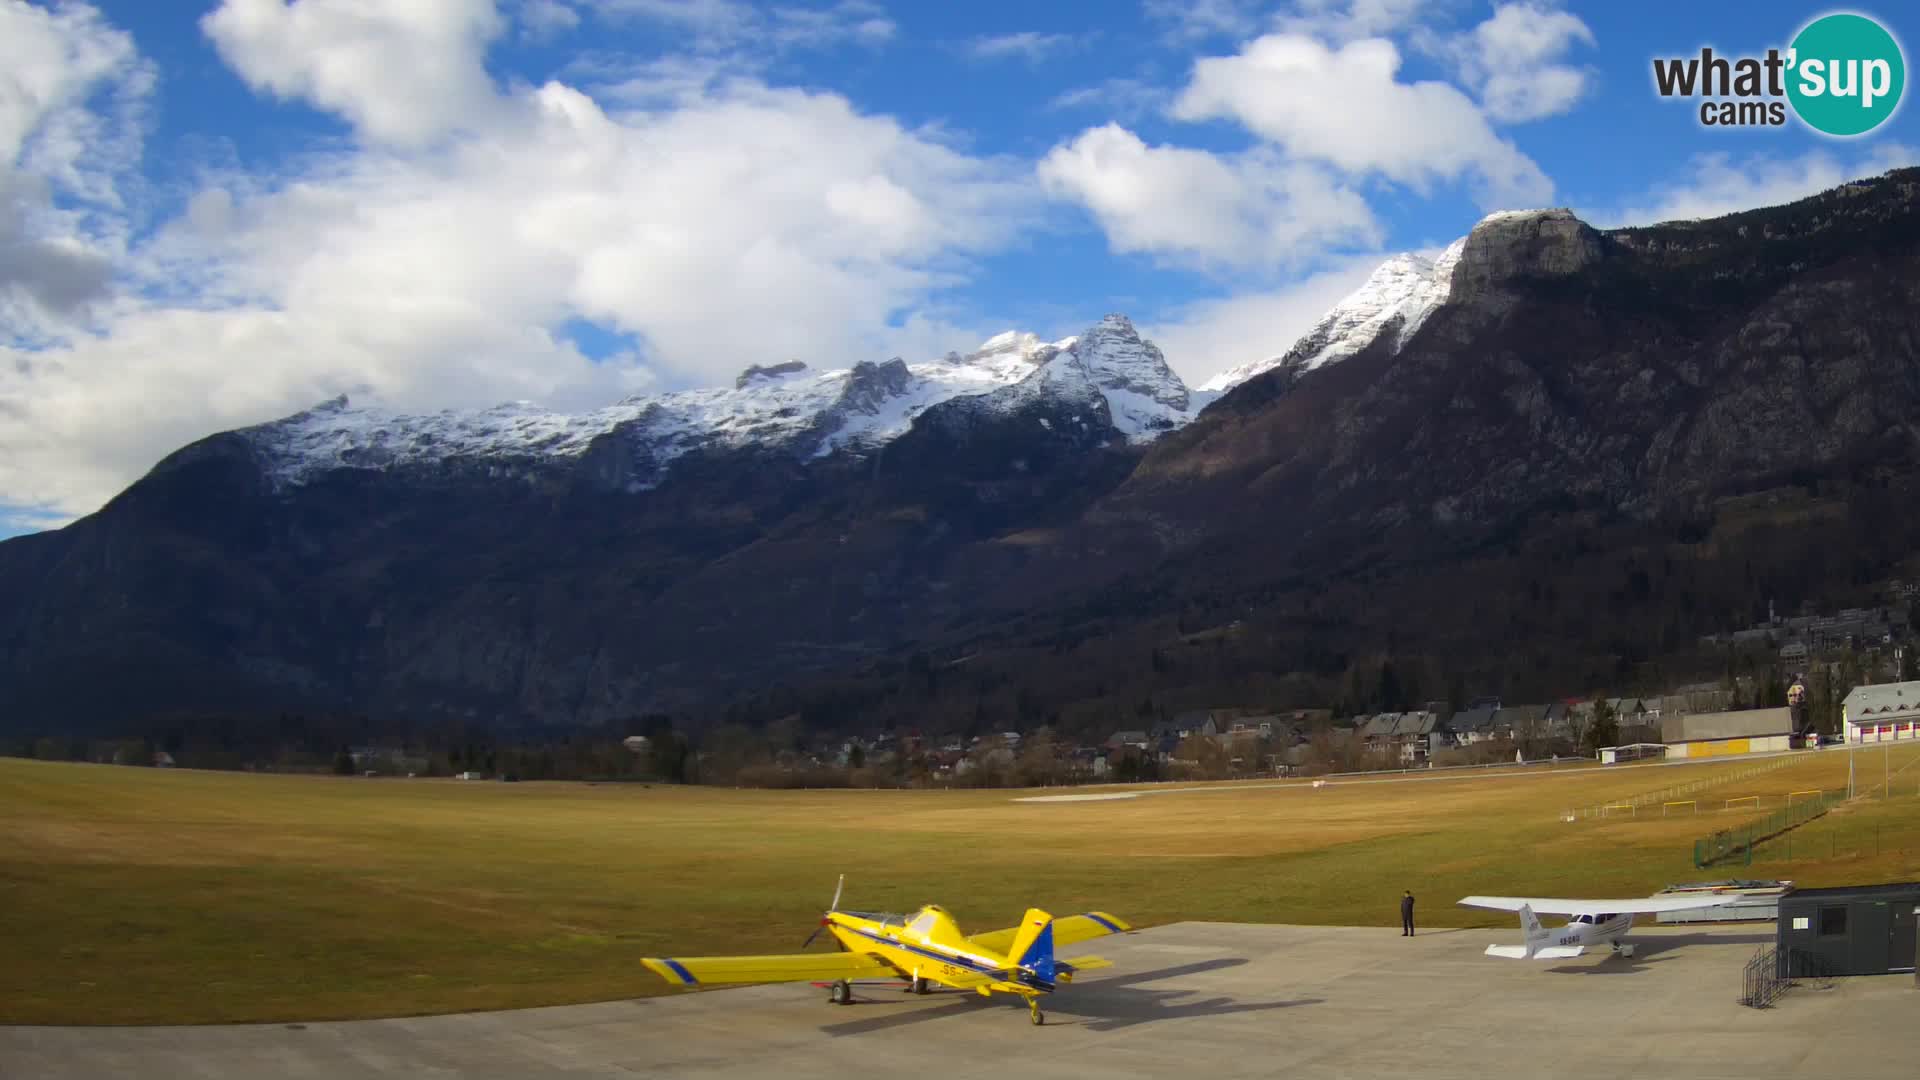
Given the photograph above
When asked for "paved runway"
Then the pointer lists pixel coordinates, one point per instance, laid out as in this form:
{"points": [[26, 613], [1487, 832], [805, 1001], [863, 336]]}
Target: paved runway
{"points": [[1194, 999]]}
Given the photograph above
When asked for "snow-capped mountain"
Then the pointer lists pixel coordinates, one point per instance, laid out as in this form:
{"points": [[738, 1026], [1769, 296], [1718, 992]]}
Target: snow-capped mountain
{"points": [[1003, 528], [1144, 395], [810, 413], [1396, 299], [813, 414]]}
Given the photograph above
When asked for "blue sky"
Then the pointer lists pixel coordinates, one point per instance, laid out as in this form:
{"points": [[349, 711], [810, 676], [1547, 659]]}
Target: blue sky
{"points": [[216, 214]]}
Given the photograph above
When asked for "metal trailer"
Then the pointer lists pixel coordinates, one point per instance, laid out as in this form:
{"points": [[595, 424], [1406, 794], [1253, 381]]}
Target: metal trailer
{"points": [[1851, 930]]}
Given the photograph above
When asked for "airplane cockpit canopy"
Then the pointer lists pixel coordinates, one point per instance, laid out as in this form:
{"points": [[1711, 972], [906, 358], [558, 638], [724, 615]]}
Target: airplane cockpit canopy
{"points": [[928, 918]]}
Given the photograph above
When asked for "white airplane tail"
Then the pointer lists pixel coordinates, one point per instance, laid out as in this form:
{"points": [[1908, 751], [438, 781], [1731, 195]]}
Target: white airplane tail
{"points": [[1530, 925], [1536, 947]]}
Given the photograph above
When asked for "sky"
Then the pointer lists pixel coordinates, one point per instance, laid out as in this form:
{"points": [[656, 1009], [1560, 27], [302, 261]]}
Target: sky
{"points": [[217, 214]]}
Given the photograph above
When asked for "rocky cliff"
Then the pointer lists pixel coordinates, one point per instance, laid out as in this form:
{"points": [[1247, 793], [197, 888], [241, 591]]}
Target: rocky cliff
{"points": [[1524, 461]]}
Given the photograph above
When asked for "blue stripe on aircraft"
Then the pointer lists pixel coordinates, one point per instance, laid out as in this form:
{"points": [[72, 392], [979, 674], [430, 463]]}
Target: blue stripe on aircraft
{"points": [[685, 975], [958, 961], [1103, 922]]}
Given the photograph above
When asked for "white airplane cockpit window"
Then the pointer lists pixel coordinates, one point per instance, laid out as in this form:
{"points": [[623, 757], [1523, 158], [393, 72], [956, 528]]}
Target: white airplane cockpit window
{"points": [[923, 924], [1605, 918], [1580, 919]]}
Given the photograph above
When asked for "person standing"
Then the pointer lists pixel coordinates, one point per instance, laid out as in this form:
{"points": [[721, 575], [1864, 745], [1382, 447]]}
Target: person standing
{"points": [[1406, 914]]}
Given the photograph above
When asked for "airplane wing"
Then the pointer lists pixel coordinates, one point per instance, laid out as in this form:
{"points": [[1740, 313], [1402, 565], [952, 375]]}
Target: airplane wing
{"points": [[721, 970], [1644, 905], [1068, 930]]}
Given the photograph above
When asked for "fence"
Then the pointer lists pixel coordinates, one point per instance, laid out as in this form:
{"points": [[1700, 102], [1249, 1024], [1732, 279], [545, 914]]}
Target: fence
{"points": [[1738, 843], [1762, 984], [1679, 792], [1770, 974]]}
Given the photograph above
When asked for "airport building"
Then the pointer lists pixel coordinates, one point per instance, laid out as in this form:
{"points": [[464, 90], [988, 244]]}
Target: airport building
{"points": [[1718, 734], [1851, 930], [1881, 713]]}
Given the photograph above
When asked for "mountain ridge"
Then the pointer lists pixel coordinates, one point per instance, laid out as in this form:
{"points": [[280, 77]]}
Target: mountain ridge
{"points": [[1551, 441]]}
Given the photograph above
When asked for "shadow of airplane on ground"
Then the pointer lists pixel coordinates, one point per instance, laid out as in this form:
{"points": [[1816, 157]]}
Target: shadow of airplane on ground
{"points": [[1654, 950], [1098, 1005]]}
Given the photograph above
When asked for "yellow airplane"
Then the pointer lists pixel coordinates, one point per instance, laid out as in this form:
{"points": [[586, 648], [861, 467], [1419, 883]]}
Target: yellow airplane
{"points": [[925, 948]]}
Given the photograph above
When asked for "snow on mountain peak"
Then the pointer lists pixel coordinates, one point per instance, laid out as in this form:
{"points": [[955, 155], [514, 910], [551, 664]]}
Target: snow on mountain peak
{"points": [[1397, 297], [1008, 341], [1519, 215], [1145, 396], [786, 404]]}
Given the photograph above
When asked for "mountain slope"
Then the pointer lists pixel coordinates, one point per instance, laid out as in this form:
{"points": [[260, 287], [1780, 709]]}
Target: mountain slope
{"points": [[519, 566], [1597, 446], [1395, 300]]}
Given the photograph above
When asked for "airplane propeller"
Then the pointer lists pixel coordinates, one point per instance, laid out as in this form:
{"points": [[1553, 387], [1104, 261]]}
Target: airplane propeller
{"points": [[831, 908]]}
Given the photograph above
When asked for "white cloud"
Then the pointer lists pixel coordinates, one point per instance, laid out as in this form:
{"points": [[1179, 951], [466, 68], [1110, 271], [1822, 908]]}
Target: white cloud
{"points": [[727, 19], [1343, 106], [1189, 20], [1718, 184], [1347, 20], [73, 94], [542, 20], [729, 225], [401, 73], [853, 21], [1203, 339], [1196, 208], [736, 25], [1120, 97], [1514, 61], [659, 81], [1029, 45]]}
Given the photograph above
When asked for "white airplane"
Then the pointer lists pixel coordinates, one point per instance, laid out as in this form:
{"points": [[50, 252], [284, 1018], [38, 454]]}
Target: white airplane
{"points": [[1589, 922]]}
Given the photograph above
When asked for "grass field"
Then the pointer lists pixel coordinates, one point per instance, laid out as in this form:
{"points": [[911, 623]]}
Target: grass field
{"points": [[163, 896]]}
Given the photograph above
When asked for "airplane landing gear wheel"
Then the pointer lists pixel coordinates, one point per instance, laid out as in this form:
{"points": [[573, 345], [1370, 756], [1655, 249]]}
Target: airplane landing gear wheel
{"points": [[1039, 1017], [841, 993], [919, 986]]}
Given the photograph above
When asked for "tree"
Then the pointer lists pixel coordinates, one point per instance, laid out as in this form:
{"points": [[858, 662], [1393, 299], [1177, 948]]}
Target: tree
{"points": [[1827, 705], [1209, 759], [133, 752], [1604, 728], [1391, 697], [343, 763], [856, 757], [1039, 761], [670, 758]]}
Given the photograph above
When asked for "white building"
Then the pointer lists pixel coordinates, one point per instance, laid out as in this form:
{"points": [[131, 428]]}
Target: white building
{"points": [[1881, 713], [1717, 734]]}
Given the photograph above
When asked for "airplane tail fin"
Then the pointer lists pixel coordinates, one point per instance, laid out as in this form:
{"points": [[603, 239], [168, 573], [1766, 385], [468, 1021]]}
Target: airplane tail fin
{"points": [[1536, 935], [1530, 923], [1032, 947]]}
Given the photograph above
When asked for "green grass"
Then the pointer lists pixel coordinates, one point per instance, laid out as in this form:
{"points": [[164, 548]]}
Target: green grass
{"points": [[160, 896]]}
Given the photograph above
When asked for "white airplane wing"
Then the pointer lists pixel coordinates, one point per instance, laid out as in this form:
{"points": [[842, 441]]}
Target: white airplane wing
{"points": [[1644, 905]]}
